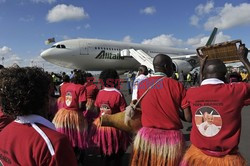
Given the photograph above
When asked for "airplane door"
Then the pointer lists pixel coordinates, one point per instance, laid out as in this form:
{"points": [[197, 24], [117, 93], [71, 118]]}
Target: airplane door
{"points": [[84, 48]]}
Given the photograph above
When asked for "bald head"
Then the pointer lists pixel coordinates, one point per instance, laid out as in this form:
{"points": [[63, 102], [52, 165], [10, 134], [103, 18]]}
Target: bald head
{"points": [[163, 63], [215, 68]]}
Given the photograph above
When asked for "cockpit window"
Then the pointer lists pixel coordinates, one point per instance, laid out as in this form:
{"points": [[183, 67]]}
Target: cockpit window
{"points": [[59, 46]]}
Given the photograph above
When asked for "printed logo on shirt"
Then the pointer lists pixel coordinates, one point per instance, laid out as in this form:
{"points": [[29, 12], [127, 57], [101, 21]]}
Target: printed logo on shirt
{"points": [[68, 99], [4, 157], [105, 109], [208, 121]]}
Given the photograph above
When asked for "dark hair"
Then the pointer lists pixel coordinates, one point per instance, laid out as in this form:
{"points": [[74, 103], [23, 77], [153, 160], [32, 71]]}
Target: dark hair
{"points": [[215, 68], [88, 75], [110, 78], [143, 69], [65, 78], [24, 91], [78, 77]]}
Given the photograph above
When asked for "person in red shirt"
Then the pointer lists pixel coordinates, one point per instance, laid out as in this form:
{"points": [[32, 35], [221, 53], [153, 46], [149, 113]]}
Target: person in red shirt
{"points": [[92, 91], [111, 141], [216, 113], [30, 139], [69, 120], [160, 141], [4, 120]]}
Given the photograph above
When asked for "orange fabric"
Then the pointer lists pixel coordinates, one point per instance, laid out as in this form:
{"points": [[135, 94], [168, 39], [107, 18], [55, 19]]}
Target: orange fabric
{"points": [[195, 157]]}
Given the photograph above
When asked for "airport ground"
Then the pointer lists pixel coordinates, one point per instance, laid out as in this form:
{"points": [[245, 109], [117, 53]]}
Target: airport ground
{"points": [[244, 146]]}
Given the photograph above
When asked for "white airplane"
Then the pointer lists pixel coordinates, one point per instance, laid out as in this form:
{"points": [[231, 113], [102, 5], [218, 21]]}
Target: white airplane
{"points": [[97, 55]]}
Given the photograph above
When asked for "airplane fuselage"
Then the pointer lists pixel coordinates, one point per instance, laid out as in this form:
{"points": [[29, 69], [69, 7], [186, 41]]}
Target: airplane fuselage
{"points": [[96, 54]]}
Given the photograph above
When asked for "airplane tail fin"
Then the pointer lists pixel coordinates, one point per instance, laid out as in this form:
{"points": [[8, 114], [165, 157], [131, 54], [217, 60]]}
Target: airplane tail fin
{"points": [[212, 37], [50, 40]]}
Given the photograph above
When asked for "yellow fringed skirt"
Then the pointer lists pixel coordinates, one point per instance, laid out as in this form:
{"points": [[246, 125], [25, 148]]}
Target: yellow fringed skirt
{"points": [[195, 157]]}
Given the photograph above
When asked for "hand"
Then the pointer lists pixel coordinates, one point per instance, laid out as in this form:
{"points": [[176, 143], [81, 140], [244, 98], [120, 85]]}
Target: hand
{"points": [[203, 60], [242, 52]]}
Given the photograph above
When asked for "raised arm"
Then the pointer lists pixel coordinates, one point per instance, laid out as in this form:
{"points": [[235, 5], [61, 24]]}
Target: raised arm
{"points": [[242, 53], [202, 64]]}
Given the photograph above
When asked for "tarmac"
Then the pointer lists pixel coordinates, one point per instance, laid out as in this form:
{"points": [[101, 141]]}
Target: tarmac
{"points": [[244, 145]]}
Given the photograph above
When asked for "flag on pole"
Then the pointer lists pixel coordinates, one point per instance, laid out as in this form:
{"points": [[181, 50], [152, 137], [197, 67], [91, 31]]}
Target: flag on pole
{"points": [[50, 40]]}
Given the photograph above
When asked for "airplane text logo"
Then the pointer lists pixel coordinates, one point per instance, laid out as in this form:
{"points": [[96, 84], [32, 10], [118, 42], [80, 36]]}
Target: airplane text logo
{"points": [[106, 55]]}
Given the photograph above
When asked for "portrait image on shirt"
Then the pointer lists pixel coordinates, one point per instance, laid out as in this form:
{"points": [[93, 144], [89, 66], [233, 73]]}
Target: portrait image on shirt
{"points": [[208, 121], [68, 98], [105, 109]]}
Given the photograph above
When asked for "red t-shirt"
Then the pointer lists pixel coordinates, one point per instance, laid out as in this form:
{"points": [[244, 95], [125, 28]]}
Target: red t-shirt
{"points": [[73, 94], [4, 120], [92, 90], [161, 103], [110, 101], [22, 145], [63, 88], [216, 116]]}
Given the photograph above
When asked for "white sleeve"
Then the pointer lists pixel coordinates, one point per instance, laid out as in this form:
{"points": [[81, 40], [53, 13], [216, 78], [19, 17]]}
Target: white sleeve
{"points": [[135, 89]]}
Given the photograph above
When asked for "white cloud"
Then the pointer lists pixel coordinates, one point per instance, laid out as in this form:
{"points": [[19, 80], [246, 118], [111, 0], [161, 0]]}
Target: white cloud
{"points": [[204, 9], [14, 59], [201, 40], [5, 51], [9, 57], [164, 40], [194, 20], [148, 10], [44, 1], [230, 16], [200, 11], [40, 62], [194, 42], [127, 39], [63, 12], [197, 40], [220, 37]]}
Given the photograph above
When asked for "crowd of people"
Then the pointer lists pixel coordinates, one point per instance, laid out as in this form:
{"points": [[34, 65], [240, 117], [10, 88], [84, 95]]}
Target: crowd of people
{"points": [[38, 127]]}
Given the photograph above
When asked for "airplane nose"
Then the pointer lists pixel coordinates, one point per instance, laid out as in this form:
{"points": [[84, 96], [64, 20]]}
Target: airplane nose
{"points": [[44, 54]]}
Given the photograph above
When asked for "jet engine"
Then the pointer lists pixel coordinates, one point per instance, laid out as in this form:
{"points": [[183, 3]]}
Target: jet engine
{"points": [[182, 65]]}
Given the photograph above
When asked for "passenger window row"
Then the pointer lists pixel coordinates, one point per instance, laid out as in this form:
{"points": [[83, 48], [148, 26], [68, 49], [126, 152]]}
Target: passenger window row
{"points": [[103, 48]]}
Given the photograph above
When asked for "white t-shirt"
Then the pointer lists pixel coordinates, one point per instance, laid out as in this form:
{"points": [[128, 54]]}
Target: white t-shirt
{"points": [[138, 79]]}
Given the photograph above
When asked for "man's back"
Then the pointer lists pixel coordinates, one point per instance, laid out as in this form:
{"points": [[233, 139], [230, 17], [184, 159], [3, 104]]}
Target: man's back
{"points": [[160, 105], [224, 102]]}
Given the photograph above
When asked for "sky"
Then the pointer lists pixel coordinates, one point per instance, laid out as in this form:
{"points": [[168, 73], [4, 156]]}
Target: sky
{"points": [[25, 25]]}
